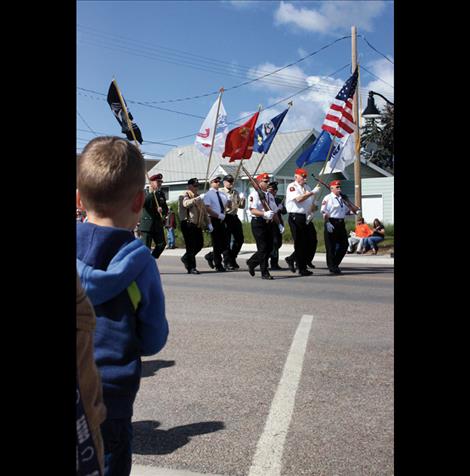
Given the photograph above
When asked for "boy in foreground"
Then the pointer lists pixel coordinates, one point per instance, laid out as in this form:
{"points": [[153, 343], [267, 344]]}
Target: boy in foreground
{"points": [[121, 280]]}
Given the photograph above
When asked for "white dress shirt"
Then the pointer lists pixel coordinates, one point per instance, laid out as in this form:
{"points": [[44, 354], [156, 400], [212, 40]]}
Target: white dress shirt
{"points": [[255, 202], [334, 206], [294, 190]]}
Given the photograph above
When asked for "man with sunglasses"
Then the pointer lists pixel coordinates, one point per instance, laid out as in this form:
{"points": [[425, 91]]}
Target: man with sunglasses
{"points": [[334, 211], [299, 204], [262, 226]]}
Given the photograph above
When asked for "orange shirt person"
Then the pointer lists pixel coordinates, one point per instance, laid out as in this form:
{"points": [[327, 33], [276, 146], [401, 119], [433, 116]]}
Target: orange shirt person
{"points": [[361, 231]]}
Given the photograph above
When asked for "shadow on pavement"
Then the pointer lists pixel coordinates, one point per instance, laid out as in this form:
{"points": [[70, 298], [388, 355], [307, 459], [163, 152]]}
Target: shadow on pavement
{"points": [[151, 367], [150, 441]]}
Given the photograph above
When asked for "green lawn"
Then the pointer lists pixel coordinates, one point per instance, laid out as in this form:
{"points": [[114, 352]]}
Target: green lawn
{"points": [[385, 247]]}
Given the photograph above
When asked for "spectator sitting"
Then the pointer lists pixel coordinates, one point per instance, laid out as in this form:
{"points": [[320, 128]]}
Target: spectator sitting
{"points": [[357, 237], [377, 236]]}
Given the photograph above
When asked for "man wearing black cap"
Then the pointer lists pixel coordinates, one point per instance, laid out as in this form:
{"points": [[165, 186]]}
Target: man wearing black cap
{"points": [[233, 223], [216, 203], [153, 216], [193, 219]]}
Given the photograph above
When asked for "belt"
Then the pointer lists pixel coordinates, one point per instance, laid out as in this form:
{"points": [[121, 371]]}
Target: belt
{"points": [[300, 214], [339, 220]]}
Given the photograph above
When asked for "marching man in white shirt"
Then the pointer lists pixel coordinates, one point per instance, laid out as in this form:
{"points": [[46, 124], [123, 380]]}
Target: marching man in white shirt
{"points": [[262, 226], [300, 204], [334, 209], [216, 203]]}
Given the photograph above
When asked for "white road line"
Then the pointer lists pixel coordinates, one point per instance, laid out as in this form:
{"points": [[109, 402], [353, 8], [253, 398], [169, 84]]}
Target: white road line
{"points": [[139, 470], [268, 455]]}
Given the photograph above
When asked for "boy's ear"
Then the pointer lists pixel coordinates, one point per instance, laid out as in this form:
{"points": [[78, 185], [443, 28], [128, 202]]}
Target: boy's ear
{"points": [[78, 200], [138, 202]]}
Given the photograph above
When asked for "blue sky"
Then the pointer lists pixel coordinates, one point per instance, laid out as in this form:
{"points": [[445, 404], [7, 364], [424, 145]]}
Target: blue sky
{"points": [[169, 50]]}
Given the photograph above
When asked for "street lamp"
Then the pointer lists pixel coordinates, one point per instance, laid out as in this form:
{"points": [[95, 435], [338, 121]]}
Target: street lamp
{"points": [[371, 111]]}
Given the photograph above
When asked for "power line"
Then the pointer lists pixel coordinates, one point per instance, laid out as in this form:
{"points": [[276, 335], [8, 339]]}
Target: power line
{"points": [[285, 78], [375, 76], [267, 107], [376, 50], [145, 140]]}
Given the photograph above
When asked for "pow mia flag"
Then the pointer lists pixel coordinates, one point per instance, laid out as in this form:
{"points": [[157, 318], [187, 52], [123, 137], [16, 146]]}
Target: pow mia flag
{"points": [[116, 108]]}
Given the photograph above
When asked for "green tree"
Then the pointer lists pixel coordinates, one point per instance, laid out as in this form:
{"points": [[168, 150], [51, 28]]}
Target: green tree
{"points": [[377, 140]]}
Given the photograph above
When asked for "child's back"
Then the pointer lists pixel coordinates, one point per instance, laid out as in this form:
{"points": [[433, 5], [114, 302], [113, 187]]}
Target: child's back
{"points": [[122, 281]]}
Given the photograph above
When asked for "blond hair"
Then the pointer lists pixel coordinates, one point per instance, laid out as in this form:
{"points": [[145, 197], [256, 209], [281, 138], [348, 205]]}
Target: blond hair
{"points": [[110, 171]]}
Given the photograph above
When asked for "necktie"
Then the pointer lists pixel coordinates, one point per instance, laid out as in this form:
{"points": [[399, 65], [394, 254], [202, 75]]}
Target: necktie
{"points": [[220, 203]]}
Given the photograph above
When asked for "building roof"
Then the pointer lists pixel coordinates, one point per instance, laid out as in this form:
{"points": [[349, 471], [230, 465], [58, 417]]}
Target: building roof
{"points": [[183, 163]]}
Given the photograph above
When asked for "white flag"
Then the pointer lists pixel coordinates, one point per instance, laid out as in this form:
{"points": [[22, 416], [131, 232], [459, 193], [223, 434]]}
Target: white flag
{"points": [[342, 155], [203, 140]]}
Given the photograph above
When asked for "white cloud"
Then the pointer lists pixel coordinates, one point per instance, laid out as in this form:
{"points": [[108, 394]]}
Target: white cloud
{"points": [[288, 79], [310, 107], [302, 17], [330, 17], [384, 70]]}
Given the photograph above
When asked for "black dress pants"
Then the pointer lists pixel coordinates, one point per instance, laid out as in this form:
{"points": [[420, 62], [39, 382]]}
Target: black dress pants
{"points": [[263, 234], [193, 240], [233, 246], [336, 243], [158, 236]]}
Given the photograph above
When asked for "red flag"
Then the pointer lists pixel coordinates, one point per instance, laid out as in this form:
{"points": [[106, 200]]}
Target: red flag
{"points": [[239, 141]]}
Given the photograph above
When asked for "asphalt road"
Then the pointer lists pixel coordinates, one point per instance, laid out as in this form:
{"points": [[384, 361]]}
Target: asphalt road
{"points": [[289, 377]]}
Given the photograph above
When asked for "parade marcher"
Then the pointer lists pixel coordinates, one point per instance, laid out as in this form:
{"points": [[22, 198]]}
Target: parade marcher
{"points": [[216, 202], [193, 220], [334, 210], [277, 231], [235, 238], [153, 216], [299, 205], [262, 226]]}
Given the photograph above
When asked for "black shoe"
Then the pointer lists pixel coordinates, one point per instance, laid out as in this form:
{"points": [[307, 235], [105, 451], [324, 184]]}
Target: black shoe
{"points": [[220, 269], [305, 272], [337, 271], [251, 269], [311, 265], [235, 265], [193, 271], [266, 276], [210, 260], [185, 262], [290, 263], [229, 267]]}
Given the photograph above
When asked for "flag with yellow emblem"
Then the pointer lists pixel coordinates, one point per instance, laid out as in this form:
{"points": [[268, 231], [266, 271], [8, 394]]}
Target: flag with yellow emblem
{"points": [[239, 141]]}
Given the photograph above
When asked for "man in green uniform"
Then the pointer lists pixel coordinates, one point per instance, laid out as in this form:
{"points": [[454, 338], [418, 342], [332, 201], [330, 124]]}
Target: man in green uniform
{"points": [[153, 216]]}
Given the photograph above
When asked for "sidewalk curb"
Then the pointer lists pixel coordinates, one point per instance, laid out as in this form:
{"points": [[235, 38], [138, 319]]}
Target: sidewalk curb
{"points": [[248, 249]]}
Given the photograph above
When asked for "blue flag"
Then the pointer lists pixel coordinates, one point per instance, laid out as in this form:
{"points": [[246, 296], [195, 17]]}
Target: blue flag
{"points": [[264, 134], [317, 152]]}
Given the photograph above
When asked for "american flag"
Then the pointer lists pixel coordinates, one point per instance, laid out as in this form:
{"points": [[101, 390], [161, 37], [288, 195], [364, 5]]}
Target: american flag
{"points": [[339, 120]]}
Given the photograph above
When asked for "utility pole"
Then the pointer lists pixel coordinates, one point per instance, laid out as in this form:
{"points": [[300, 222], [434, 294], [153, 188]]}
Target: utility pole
{"points": [[357, 161]]}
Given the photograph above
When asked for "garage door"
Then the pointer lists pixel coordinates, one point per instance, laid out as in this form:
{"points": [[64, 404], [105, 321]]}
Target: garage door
{"points": [[372, 207]]}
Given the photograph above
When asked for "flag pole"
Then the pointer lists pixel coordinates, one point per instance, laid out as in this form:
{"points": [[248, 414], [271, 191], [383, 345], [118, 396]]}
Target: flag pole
{"points": [[357, 161], [123, 105], [289, 104], [221, 90], [129, 125]]}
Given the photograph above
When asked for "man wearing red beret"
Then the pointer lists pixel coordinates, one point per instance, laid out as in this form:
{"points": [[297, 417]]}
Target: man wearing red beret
{"points": [[153, 216], [334, 211], [300, 205]]}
